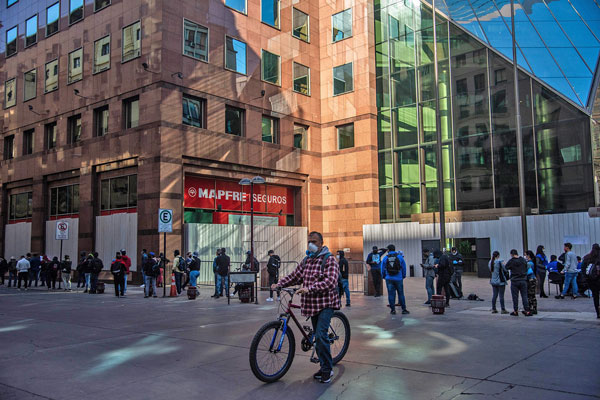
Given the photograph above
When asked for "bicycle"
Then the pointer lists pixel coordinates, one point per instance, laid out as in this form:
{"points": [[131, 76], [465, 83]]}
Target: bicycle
{"points": [[271, 355]]}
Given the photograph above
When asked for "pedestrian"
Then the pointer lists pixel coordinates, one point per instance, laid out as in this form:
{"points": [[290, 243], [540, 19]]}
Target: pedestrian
{"points": [[214, 268], [127, 261], [250, 266], [44, 268], [570, 271], [52, 273], [223, 265], [531, 282], [194, 267], [178, 269], [318, 273], [144, 258], [444, 273], [151, 270], [3, 269], [273, 266], [23, 271], [457, 263], [429, 273], [34, 270], [591, 263], [119, 270], [541, 262], [518, 282], [97, 267], [65, 270], [344, 274], [188, 261], [374, 263], [393, 270], [12, 272], [81, 269], [498, 280]]}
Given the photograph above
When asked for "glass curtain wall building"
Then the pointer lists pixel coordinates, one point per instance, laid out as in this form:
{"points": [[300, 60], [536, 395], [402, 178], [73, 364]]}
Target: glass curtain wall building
{"points": [[477, 124]]}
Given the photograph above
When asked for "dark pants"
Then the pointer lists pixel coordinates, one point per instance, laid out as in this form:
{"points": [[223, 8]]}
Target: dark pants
{"points": [[320, 323], [119, 285], [12, 277], [80, 279], [541, 277], [93, 282], [595, 288], [444, 283], [517, 287], [33, 276], [377, 280], [458, 282], [43, 278], [273, 279], [51, 279], [23, 276], [498, 290], [216, 282], [178, 281], [2, 277]]}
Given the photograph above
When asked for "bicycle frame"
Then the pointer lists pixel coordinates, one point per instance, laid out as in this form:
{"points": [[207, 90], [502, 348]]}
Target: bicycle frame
{"points": [[284, 318]]}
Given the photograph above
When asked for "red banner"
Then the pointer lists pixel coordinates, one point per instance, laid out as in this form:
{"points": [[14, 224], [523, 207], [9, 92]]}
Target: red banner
{"points": [[231, 196]]}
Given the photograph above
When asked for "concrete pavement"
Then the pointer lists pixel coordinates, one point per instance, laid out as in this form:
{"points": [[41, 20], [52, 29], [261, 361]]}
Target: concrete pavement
{"points": [[60, 345]]}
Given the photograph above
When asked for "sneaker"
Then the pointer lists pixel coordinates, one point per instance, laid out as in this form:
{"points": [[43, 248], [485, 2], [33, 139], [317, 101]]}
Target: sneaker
{"points": [[326, 378], [145, 296], [348, 305], [155, 296], [504, 312], [123, 295], [405, 312], [393, 312], [317, 375], [514, 314], [427, 303], [494, 311], [560, 296], [270, 299], [574, 297]]}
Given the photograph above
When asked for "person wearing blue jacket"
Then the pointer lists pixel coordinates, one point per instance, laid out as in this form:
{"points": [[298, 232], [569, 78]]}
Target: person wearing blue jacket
{"points": [[393, 270], [541, 263]]}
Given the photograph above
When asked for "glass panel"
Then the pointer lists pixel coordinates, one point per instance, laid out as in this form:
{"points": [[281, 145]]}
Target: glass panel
{"points": [[10, 93], [53, 201], [10, 2], [409, 200], [132, 190], [269, 129], [51, 81], [75, 11], [75, 203], [11, 41], [31, 31], [301, 79], [102, 54], [474, 193], [345, 136], [385, 168], [300, 25], [386, 204], [119, 195], [300, 137], [75, 128], [75, 72], [62, 200], [341, 25], [234, 121], [235, 55], [101, 121], [342, 79], [105, 195], [195, 40], [239, 5], [408, 166], [270, 12], [28, 141], [193, 111], [132, 41], [132, 112], [270, 67], [52, 16], [430, 162], [100, 4], [406, 128], [50, 135], [384, 129]]}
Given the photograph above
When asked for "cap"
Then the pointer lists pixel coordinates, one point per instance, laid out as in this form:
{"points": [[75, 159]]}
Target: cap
{"points": [[122, 251], [151, 254], [195, 254]]}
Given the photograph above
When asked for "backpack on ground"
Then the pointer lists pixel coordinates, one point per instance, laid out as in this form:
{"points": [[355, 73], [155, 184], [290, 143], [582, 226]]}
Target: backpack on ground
{"points": [[392, 265], [593, 272]]}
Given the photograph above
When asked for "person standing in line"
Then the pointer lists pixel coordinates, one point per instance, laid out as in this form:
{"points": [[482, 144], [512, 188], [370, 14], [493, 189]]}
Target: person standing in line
{"points": [[81, 269], [570, 271], [393, 270], [456, 259], [44, 270], [498, 279], [52, 273], [223, 264], [127, 261], [591, 263], [34, 270], [214, 268], [518, 282], [87, 270], [23, 272], [178, 269], [344, 273], [541, 262], [118, 270], [143, 260], [429, 273], [249, 265], [12, 272], [444, 273], [374, 261], [194, 268], [273, 270], [3, 269], [97, 267], [65, 270], [531, 282], [151, 269]]}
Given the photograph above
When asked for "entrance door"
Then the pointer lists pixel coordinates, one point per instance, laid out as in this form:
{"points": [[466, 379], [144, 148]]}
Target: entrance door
{"points": [[483, 253]]}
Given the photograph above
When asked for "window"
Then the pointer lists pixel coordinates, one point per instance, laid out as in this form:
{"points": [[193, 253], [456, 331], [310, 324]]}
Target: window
{"points": [[301, 79], [101, 121], [20, 206], [100, 4], [235, 55], [52, 17], [131, 112], [234, 121], [341, 25], [75, 11], [194, 111], [239, 5], [132, 42], [500, 75], [300, 136], [300, 25], [10, 2], [118, 193], [75, 66], [270, 129], [11, 41], [271, 65], [345, 136], [31, 31], [51, 81], [64, 200], [479, 81], [461, 60], [342, 79], [9, 147], [50, 132], [28, 141], [74, 129], [269, 12], [10, 93], [30, 85], [101, 54], [195, 40]]}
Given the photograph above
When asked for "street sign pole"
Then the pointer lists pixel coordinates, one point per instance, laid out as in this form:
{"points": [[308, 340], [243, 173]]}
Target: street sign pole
{"points": [[164, 262], [165, 224], [61, 242]]}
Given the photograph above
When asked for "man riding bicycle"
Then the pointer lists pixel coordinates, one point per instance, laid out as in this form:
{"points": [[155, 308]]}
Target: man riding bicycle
{"points": [[318, 273]]}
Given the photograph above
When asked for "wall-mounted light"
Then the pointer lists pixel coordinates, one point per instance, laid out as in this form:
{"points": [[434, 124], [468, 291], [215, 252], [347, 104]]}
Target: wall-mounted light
{"points": [[35, 112], [76, 93], [177, 74], [147, 68]]}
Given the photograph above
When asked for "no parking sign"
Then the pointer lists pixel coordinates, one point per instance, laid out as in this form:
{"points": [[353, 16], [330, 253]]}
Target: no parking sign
{"points": [[62, 230]]}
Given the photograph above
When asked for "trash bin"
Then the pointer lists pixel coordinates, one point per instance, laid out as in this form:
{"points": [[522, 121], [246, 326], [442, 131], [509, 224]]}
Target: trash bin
{"points": [[438, 304]]}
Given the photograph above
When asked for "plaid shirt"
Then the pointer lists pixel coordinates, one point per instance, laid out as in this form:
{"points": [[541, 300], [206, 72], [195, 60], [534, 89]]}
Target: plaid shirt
{"points": [[323, 288]]}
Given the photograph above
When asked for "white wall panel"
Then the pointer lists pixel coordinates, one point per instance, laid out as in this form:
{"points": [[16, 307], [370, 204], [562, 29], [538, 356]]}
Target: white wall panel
{"points": [[116, 232], [17, 239]]}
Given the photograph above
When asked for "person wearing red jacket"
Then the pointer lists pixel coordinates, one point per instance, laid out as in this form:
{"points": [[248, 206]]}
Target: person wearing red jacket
{"points": [[127, 261]]}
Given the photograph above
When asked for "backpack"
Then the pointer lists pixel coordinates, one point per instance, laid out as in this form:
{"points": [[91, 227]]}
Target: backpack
{"points": [[593, 272], [156, 269], [97, 265], [392, 265], [181, 265], [115, 268]]}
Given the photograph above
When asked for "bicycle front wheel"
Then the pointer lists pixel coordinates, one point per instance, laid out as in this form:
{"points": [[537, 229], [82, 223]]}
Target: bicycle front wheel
{"points": [[339, 336], [267, 361]]}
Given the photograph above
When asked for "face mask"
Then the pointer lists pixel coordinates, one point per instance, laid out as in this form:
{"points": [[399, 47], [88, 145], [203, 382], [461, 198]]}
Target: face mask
{"points": [[312, 248], [338, 256]]}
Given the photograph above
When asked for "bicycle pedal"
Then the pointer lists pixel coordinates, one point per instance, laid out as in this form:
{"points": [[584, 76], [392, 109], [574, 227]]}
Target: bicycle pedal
{"points": [[314, 360]]}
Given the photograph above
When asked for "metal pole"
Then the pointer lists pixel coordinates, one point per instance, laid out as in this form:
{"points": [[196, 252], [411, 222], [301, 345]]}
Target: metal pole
{"points": [[438, 153], [164, 263], [252, 232], [520, 166], [61, 243]]}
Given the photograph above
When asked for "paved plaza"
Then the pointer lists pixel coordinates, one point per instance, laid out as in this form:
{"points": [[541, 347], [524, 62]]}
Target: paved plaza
{"points": [[60, 345]]}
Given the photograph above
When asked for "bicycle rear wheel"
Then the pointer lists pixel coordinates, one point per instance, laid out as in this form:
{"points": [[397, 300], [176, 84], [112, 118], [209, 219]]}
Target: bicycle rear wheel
{"points": [[268, 364], [339, 336]]}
